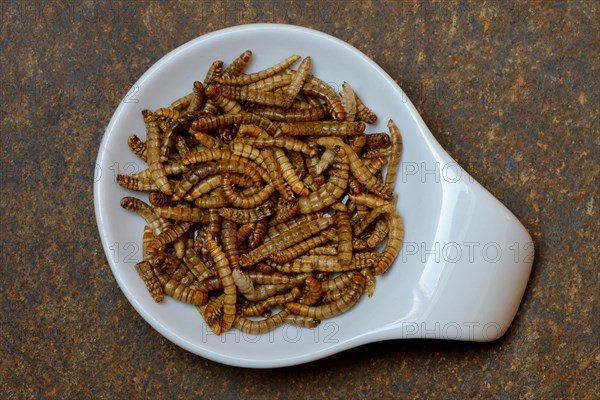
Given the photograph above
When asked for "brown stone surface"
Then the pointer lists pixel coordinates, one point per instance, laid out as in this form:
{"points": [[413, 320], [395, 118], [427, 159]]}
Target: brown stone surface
{"points": [[510, 89]]}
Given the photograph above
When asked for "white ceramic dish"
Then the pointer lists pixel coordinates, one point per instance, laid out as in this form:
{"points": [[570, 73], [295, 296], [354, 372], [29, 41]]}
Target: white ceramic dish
{"points": [[465, 261]]}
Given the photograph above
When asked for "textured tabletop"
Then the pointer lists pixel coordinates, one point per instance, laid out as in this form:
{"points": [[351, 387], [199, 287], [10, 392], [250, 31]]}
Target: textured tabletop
{"points": [[510, 89]]}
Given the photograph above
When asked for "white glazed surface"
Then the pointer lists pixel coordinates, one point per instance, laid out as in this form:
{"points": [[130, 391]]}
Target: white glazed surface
{"points": [[465, 262]]}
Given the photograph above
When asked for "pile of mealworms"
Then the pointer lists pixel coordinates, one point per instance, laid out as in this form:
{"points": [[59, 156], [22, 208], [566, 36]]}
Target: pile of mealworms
{"points": [[267, 202]]}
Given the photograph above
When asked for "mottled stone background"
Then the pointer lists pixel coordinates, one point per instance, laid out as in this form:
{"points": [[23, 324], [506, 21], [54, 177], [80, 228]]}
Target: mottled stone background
{"points": [[510, 89]]}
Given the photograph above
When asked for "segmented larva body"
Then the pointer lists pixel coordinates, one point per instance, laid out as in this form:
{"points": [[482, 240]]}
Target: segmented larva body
{"points": [[137, 146], [285, 240], [328, 310], [229, 288], [330, 192], [263, 326], [396, 150], [348, 101], [394, 243], [153, 153], [260, 75], [144, 269]]}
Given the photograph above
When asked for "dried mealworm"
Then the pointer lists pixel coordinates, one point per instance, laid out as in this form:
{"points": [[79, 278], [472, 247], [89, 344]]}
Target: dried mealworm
{"points": [[244, 215], [285, 240], [339, 282], [230, 243], [260, 75], [254, 96], [153, 153], [182, 213], [268, 278], [348, 101], [363, 113], [229, 288], [238, 65], [262, 326], [206, 140], [394, 243], [137, 184], [245, 230], [317, 88], [328, 310], [377, 141], [157, 224], [298, 249], [137, 146], [169, 235], [144, 269], [314, 292], [293, 89], [284, 211], [282, 114], [259, 308], [344, 229], [392, 171], [240, 201], [276, 175], [302, 321], [368, 200], [289, 173], [358, 168], [323, 128], [271, 83], [251, 292], [219, 121], [228, 105], [257, 236], [371, 282], [331, 191]]}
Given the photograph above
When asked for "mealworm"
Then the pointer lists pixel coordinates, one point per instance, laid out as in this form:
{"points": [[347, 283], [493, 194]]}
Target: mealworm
{"points": [[274, 278], [195, 264], [289, 173], [257, 236], [323, 128], [344, 230], [261, 307], [260, 75], [376, 153], [276, 175], [394, 243], [302, 321], [206, 140], [328, 310], [137, 184], [292, 90], [182, 102], [230, 243], [373, 165], [331, 191], [368, 200], [282, 114], [259, 327], [280, 227], [285, 240], [363, 113], [327, 250], [313, 293], [285, 142], [271, 83], [298, 249], [309, 263], [245, 230], [339, 282], [371, 216], [229, 288], [239, 165], [211, 313], [182, 214], [396, 148], [180, 292], [316, 87], [245, 201], [169, 235], [371, 281], [284, 211], [357, 167], [215, 70], [137, 146], [144, 269], [195, 101], [254, 96], [157, 224], [219, 121], [153, 153], [251, 292], [238, 65], [348, 101], [226, 104], [244, 215]]}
